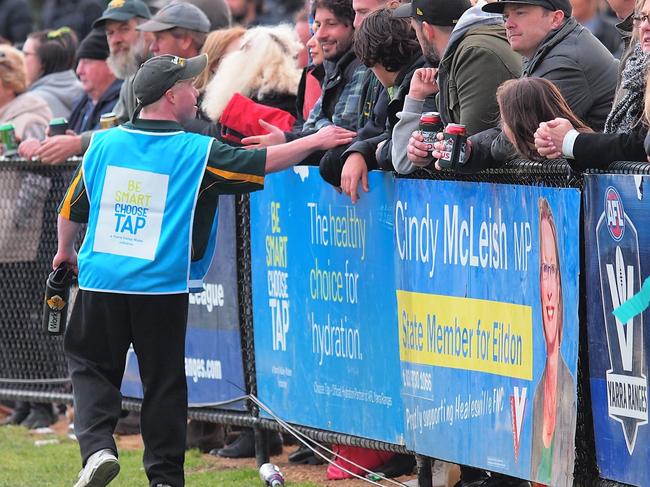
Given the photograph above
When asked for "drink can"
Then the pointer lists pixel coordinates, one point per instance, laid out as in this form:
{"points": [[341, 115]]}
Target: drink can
{"points": [[455, 138], [271, 475], [430, 125], [108, 120], [8, 143], [58, 126]]}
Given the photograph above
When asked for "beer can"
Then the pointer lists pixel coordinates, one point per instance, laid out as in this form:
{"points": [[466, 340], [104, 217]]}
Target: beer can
{"points": [[455, 138], [108, 120], [430, 125], [8, 143], [58, 126]]}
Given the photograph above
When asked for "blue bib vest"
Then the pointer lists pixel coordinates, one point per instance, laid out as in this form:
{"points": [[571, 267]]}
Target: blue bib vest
{"points": [[142, 188]]}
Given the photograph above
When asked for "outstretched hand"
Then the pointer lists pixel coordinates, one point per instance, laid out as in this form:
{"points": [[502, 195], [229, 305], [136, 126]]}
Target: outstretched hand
{"points": [[274, 137], [333, 136]]}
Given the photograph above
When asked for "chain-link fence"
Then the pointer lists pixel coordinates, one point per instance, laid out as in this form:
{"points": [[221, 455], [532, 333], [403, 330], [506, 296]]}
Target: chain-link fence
{"points": [[32, 365]]}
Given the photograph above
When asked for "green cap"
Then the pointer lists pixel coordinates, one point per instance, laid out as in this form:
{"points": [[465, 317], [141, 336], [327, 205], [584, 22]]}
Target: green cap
{"points": [[58, 121], [123, 10], [160, 73], [7, 126]]}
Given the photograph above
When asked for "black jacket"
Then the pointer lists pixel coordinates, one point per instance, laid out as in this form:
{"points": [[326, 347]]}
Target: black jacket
{"points": [[372, 123], [105, 104], [378, 128], [598, 151], [581, 68]]}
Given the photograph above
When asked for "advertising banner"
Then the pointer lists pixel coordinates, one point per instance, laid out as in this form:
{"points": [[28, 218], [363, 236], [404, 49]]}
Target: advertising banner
{"points": [[487, 309], [213, 358], [617, 238], [324, 305]]}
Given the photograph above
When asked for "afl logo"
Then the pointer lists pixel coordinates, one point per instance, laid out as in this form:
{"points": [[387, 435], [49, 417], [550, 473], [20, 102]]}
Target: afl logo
{"points": [[614, 213]]}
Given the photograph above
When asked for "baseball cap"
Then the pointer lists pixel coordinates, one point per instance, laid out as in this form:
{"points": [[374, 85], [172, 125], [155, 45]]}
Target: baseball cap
{"points": [[498, 6], [123, 10], [183, 15], [160, 73], [434, 12]]}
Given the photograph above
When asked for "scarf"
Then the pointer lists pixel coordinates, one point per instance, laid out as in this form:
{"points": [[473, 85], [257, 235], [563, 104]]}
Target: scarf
{"points": [[629, 109]]}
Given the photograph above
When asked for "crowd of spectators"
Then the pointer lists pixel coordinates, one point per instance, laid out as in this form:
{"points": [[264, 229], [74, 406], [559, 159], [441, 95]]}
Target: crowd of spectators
{"points": [[530, 79]]}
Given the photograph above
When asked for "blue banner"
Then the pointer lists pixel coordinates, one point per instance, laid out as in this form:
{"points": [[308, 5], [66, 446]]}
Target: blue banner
{"points": [[324, 305], [213, 358], [617, 238], [487, 308]]}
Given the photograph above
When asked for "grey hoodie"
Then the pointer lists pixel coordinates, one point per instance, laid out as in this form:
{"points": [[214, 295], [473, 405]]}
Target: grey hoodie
{"points": [[60, 91]]}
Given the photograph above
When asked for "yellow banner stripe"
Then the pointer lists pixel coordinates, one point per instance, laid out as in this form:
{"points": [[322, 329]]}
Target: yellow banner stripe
{"points": [[465, 333]]}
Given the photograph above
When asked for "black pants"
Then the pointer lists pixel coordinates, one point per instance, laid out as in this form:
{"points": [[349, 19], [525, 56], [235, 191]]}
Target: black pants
{"points": [[101, 328]]}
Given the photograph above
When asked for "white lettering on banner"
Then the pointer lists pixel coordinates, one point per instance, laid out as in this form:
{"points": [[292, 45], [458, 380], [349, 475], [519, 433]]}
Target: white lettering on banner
{"points": [[332, 340], [621, 290], [211, 296], [487, 249], [131, 211], [198, 368], [337, 229], [465, 241], [417, 238]]}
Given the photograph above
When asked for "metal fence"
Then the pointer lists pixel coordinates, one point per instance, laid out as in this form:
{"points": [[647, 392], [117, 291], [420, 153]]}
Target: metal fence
{"points": [[32, 365]]}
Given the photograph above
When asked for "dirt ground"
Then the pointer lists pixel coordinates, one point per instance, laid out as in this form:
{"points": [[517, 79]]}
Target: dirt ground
{"points": [[293, 473]]}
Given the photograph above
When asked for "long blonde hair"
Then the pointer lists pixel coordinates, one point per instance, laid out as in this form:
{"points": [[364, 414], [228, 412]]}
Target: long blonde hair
{"points": [[215, 46], [265, 64]]}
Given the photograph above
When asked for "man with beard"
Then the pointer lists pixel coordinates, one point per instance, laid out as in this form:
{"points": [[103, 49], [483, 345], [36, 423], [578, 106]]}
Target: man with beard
{"points": [[344, 77], [474, 58], [128, 50]]}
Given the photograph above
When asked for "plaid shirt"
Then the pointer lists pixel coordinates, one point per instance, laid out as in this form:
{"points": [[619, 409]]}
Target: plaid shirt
{"points": [[346, 111]]}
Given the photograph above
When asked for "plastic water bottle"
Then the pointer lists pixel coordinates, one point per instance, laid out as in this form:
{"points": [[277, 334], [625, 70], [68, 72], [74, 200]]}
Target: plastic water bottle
{"points": [[271, 475]]}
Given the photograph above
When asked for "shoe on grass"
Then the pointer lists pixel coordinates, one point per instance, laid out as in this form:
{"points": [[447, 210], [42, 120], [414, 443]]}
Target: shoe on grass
{"points": [[100, 469]]}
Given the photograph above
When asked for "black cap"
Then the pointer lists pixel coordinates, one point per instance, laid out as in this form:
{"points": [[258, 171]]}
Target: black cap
{"points": [[180, 14], [498, 6], [93, 46], [160, 73], [123, 10], [434, 12]]}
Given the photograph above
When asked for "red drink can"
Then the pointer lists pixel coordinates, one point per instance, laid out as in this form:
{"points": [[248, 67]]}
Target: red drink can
{"points": [[455, 138], [430, 125]]}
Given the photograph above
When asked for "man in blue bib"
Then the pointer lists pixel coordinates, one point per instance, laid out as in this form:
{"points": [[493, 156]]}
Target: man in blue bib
{"points": [[148, 191]]}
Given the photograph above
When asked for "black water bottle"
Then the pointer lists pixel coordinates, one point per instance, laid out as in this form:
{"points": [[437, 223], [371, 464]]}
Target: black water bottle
{"points": [[57, 295]]}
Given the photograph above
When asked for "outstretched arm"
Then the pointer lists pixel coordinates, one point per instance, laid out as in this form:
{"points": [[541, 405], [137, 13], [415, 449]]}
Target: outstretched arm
{"points": [[279, 157]]}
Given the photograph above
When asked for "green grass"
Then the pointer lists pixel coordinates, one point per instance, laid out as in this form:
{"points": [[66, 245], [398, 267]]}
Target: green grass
{"points": [[26, 465]]}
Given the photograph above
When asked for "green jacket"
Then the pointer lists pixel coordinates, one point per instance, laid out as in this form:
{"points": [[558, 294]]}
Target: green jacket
{"points": [[475, 63]]}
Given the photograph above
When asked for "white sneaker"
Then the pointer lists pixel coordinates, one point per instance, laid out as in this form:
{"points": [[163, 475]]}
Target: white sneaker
{"points": [[100, 469]]}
